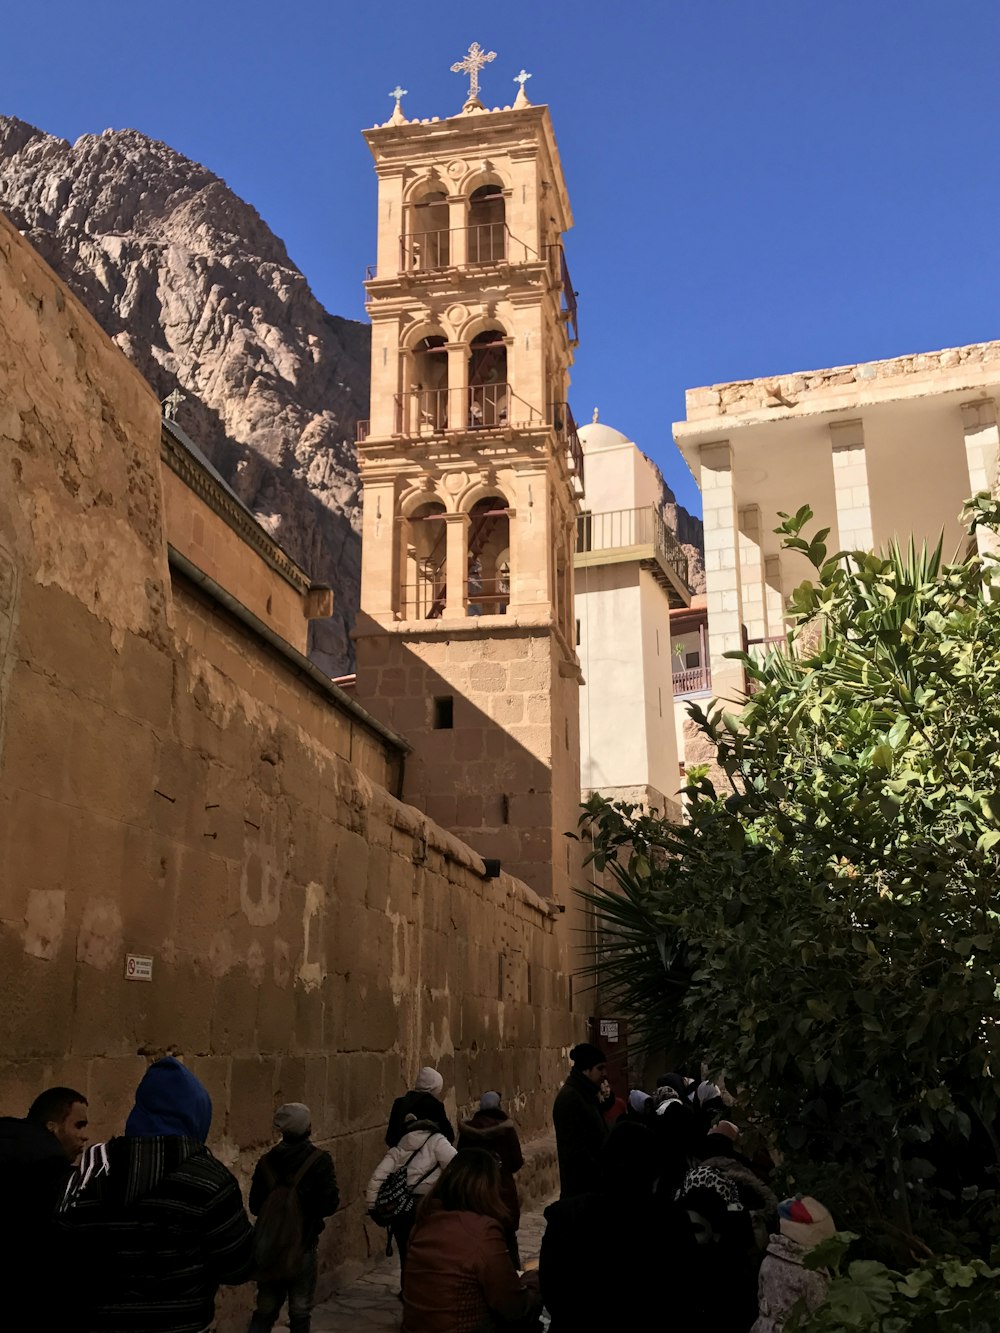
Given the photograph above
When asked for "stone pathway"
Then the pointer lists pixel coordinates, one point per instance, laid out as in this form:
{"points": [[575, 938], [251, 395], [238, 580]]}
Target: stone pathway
{"points": [[371, 1303]]}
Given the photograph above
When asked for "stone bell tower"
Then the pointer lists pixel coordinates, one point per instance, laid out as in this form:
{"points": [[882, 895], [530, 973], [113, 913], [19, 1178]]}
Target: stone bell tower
{"points": [[472, 475]]}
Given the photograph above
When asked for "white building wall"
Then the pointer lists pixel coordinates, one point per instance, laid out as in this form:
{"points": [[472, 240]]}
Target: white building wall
{"points": [[613, 705], [662, 770]]}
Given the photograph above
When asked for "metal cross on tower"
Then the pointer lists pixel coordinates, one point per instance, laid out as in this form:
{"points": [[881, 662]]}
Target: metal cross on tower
{"points": [[171, 403], [471, 65], [522, 78], [398, 93]]}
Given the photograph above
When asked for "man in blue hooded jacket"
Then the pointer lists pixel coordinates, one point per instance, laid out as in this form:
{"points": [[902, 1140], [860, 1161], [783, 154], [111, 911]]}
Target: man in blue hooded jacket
{"points": [[154, 1224]]}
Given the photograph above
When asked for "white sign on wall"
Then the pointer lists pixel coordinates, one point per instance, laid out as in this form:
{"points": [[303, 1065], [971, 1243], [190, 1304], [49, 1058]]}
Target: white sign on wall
{"points": [[609, 1029], [138, 968]]}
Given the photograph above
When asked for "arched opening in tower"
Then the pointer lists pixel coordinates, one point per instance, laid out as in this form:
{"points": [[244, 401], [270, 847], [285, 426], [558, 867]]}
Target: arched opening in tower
{"points": [[489, 570], [488, 389], [427, 243], [430, 384], [425, 582], [487, 225]]}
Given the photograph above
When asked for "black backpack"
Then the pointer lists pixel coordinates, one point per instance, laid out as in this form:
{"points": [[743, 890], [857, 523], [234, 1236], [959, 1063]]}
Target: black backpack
{"points": [[395, 1197], [279, 1237]]}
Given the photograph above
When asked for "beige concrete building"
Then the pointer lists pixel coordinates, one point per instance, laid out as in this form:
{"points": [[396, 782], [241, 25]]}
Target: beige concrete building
{"points": [[472, 475], [630, 571], [881, 450]]}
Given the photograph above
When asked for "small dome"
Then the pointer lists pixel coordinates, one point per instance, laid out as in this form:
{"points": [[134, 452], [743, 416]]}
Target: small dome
{"points": [[595, 435]]}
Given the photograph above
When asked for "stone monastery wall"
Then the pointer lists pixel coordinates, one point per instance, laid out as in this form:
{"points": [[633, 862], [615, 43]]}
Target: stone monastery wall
{"points": [[171, 787]]}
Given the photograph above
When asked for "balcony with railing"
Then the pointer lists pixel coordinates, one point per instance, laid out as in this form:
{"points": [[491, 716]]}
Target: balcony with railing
{"points": [[476, 407], [568, 435], [620, 535], [692, 680], [444, 247], [427, 599]]}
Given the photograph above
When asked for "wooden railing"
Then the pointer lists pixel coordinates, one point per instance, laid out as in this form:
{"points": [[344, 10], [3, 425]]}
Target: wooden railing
{"points": [[691, 680]]}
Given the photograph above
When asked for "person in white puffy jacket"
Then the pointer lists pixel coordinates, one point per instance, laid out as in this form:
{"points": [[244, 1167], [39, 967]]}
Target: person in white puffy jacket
{"points": [[426, 1152]]}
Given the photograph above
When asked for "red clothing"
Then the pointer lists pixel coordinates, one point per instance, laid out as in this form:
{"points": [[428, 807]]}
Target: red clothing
{"points": [[614, 1110], [459, 1271]]}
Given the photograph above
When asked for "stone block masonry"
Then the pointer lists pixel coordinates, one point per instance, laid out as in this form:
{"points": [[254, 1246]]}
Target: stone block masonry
{"points": [[172, 787]]}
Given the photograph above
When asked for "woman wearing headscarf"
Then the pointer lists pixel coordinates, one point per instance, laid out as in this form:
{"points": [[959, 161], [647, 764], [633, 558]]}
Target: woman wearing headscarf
{"points": [[492, 1129], [423, 1102]]}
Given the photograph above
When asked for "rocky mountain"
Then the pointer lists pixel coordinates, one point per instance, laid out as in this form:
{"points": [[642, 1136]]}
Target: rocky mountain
{"points": [[202, 296]]}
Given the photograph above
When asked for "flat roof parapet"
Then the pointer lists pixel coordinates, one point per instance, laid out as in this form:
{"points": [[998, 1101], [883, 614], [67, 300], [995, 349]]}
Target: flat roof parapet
{"points": [[822, 390]]}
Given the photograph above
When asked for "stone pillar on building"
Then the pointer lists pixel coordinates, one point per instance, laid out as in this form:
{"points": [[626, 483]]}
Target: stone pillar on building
{"points": [[752, 573], [850, 482], [458, 236], [379, 531], [457, 566], [458, 385], [982, 450], [774, 598], [722, 568]]}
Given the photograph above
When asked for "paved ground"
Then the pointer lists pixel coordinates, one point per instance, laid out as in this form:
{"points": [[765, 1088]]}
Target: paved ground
{"points": [[371, 1302]]}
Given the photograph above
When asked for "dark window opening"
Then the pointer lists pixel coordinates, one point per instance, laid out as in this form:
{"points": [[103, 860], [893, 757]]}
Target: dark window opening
{"points": [[692, 660], [444, 713]]}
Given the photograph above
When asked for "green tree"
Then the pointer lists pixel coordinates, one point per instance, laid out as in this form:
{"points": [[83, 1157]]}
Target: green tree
{"points": [[825, 932]]}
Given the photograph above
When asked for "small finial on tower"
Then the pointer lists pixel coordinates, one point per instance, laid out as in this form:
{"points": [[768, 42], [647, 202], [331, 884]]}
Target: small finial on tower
{"points": [[594, 417], [522, 96], [397, 117], [171, 403], [471, 65]]}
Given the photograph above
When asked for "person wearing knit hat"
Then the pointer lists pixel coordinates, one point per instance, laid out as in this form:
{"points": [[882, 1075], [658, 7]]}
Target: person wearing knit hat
{"points": [[309, 1171], [579, 1125], [803, 1222], [423, 1102]]}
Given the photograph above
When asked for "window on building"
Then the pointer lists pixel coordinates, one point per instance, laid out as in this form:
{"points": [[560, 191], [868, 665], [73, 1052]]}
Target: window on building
{"points": [[692, 660], [444, 712], [578, 633]]}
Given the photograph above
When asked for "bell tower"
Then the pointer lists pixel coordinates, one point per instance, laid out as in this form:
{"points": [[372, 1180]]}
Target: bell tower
{"points": [[472, 474]]}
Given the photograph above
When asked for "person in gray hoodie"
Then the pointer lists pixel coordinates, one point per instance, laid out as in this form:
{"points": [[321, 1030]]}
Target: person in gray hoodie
{"points": [[492, 1128]]}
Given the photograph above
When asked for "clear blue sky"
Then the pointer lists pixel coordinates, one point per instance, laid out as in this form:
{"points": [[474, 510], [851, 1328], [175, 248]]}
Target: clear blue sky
{"points": [[759, 185]]}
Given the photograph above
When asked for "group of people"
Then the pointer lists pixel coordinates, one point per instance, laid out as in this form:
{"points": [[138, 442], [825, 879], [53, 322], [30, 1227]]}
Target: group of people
{"points": [[655, 1196], [691, 1212], [143, 1229]]}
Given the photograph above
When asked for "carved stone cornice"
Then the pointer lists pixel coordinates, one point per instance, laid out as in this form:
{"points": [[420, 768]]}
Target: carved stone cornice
{"points": [[213, 492]]}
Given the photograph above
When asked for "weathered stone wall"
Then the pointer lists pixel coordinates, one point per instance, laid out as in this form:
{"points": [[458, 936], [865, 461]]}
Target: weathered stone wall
{"points": [[172, 787]]}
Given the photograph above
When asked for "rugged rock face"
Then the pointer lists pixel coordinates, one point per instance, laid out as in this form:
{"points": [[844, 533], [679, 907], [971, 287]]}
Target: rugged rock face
{"points": [[202, 296], [688, 529]]}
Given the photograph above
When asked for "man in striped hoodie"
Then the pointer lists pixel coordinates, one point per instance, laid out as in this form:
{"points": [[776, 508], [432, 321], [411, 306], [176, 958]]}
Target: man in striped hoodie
{"points": [[152, 1223]]}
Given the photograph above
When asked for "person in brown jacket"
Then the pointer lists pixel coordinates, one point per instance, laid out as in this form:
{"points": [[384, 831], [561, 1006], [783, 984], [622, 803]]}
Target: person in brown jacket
{"points": [[492, 1128], [459, 1273]]}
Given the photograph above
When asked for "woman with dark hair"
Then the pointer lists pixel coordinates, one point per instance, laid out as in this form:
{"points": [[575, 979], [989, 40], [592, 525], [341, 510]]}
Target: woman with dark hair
{"points": [[459, 1273]]}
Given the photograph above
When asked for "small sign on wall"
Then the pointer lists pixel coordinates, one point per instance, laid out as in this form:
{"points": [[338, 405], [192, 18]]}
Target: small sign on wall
{"points": [[138, 968], [609, 1029]]}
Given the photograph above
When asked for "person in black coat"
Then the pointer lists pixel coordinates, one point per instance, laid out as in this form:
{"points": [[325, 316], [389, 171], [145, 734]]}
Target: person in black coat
{"points": [[423, 1101], [579, 1124], [36, 1161], [318, 1199], [640, 1241]]}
